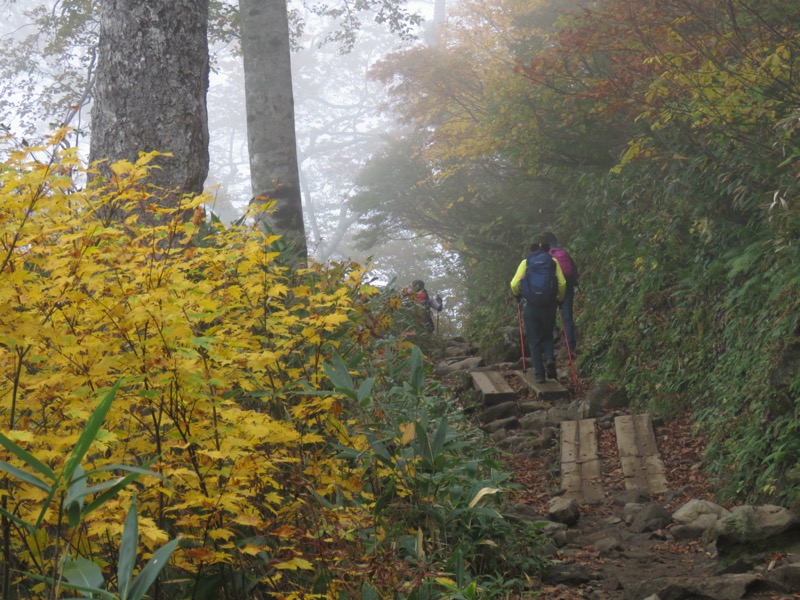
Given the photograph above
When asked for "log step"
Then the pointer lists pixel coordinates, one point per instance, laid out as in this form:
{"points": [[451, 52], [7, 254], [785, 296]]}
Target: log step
{"points": [[642, 466], [580, 465], [551, 389], [641, 462], [493, 387]]}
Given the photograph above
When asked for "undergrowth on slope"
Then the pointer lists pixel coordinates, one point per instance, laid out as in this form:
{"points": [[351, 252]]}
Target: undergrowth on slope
{"points": [[695, 314]]}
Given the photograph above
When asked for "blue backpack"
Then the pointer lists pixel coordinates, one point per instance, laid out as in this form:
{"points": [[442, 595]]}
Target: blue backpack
{"points": [[540, 284]]}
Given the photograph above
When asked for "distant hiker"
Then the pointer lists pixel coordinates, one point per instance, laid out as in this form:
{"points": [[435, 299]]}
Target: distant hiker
{"points": [[570, 271], [540, 285], [424, 299]]}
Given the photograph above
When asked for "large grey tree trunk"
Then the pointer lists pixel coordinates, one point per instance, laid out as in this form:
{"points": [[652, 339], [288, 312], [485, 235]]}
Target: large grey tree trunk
{"points": [[151, 87], [270, 119]]}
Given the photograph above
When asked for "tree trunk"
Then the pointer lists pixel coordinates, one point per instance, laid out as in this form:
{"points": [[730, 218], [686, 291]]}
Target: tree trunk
{"points": [[151, 89], [270, 120]]}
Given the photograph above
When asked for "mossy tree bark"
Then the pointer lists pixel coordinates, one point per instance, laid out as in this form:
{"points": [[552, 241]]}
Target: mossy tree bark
{"points": [[151, 87]]}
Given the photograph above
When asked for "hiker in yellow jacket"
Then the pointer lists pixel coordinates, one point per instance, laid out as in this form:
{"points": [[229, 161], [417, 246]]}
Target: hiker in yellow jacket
{"points": [[540, 285]]}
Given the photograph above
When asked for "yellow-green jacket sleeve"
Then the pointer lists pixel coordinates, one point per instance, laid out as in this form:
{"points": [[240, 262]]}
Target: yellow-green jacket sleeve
{"points": [[517, 279], [562, 282]]}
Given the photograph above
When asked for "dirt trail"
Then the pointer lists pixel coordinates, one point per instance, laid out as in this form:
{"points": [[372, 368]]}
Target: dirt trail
{"points": [[601, 557]]}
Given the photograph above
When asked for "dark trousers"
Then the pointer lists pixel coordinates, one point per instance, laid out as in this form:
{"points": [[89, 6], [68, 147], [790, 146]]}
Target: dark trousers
{"points": [[567, 317], [539, 325]]}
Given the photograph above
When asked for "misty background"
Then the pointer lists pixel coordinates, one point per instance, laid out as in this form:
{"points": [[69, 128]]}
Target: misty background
{"points": [[342, 121]]}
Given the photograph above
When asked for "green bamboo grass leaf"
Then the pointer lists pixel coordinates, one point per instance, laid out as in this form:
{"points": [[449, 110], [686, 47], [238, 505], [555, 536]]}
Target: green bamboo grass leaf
{"points": [[89, 434], [149, 573], [27, 458], [77, 487], [81, 448], [368, 592], [424, 442], [347, 453], [73, 503], [417, 370], [364, 390], [88, 592], [73, 512], [24, 476], [84, 574], [441, 437], [380, 450], [114, 486], [46, 505], [388, 496], [27, 526], [144, 469], [96, 489], [339, 374], [460, 571], [128, 551], [112, 491]]}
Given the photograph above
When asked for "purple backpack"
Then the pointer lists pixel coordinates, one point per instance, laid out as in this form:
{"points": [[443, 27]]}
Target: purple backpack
{"points": [[565, 261]]}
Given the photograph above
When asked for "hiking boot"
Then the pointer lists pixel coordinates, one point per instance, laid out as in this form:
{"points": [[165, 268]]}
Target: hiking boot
{"points": [[551, 369], [539, 378]]}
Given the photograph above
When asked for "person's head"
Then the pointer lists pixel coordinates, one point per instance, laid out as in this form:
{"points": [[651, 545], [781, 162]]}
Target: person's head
{"points": [[540, 245], [550, 237], [418, 285]]}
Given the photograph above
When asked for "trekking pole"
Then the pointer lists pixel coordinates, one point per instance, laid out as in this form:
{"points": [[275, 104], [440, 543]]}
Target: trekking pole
{"points": [[440, 305], [569, 352], [521, 339]]}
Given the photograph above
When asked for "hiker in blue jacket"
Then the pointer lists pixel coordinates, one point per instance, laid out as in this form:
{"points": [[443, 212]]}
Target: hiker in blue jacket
{"points": [[570, 271], [540, 285]]}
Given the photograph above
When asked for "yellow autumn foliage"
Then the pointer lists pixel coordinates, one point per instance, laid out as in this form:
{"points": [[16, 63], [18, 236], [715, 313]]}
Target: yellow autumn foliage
{"points": [[217, 344]]}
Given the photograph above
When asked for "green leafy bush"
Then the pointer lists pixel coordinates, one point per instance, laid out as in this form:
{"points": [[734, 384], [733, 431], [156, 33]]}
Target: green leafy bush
{"points": [[437, 486]]}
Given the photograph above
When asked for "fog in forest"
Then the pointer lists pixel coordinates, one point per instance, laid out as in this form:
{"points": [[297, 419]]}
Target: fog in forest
{"points": [[341, 122]]}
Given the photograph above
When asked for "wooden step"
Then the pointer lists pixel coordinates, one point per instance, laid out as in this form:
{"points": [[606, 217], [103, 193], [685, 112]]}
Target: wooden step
{"points": [[493, 387], [580, 465], [551, 389], [641, 462]]}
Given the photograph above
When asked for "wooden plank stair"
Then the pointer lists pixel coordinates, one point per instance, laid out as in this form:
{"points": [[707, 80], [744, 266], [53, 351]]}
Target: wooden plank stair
{"points": [[641, 462], [642, 466], [551, 389], [580, 465], [493, 387]]}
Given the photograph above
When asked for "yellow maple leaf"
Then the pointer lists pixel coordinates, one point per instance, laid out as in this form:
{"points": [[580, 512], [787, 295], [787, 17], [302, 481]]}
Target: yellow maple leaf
{"points": [[221, 534], [294, 564], [249, 519], [409, 431], [279, 290], [251, 550]]}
